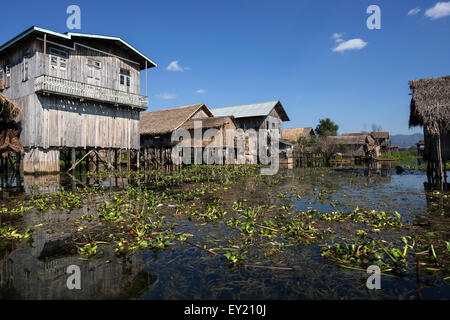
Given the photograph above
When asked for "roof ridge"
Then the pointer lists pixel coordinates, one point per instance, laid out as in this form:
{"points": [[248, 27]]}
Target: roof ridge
{"points": [[249, 104], [180, 107]]}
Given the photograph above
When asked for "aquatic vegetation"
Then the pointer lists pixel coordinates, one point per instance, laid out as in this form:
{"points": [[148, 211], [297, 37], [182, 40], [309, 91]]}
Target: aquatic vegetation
{"points": [[232, 214], [11, 233], [115, 211], [235, 257], [89, 250], [373, 218], [365, 251]]}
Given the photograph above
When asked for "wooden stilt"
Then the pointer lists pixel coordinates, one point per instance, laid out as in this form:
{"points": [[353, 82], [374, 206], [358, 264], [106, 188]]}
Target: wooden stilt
{"points": [[120, 160], [439, 168], [138, 159], [109, 159], [128, 160], [96, 161], [145, 159], [74, 156], [6, 168], [445, 171]]}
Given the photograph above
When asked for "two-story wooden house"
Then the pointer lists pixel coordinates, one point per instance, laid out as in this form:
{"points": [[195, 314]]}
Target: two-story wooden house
{"points": [[76, 91]]}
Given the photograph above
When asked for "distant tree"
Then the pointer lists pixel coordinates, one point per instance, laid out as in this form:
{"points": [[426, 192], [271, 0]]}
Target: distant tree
{"points": [[376, 128], [326, 127]]}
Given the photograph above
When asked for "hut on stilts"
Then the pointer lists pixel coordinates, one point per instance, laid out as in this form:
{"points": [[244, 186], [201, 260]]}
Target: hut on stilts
{"points": [[430, 108], [80, 96]]}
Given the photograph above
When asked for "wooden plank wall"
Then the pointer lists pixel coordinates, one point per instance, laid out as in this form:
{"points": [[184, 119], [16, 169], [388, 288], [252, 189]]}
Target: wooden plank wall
{"points": [[53, 121], [79, 124]]}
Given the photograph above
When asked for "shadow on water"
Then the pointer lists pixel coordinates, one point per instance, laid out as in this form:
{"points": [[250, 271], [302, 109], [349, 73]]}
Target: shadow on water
{"points": [[37, 269]]}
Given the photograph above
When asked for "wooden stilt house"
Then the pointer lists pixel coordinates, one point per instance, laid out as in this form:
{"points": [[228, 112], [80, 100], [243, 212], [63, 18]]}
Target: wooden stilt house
{"points": [[77, 92]]}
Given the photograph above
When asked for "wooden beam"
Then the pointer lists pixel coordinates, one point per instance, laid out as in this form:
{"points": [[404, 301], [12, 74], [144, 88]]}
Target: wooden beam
{"points": [[74, 165]]}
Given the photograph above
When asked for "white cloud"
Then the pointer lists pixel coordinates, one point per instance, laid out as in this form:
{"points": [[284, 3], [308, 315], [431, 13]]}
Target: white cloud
{"points": [[339, 40], [413, 11], [166, 96], [353, 44], [201, 91], [337, 35], [440, 10], [175, 66]]}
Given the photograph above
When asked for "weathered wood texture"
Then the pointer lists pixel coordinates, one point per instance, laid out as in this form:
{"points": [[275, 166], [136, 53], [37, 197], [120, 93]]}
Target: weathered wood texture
{"points": [[52, 121], [40, 160]]}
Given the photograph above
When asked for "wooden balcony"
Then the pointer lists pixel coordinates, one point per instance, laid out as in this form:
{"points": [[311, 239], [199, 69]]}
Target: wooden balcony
{"points": [[64, 87]]}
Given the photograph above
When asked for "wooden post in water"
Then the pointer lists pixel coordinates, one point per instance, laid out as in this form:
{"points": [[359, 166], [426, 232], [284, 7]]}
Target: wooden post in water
{"points": [[1, 168], [96, 161], [74, 156], [120, 160], [145, 159], [87, 162], [138, 159], [439, 163], [128, 160], [115, 159]]}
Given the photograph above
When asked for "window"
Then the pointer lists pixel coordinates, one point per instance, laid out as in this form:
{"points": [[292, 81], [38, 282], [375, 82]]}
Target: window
{"points": [[94, 63], [2, 79], [125, 74], [8, 76], [94, 67], [62, 64], [25, 68], [58, 59], [59, 53], [54, 62]]}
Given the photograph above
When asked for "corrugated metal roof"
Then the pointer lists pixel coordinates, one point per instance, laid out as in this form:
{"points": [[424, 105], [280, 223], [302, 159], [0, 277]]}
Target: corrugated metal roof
{"points": [[251, 110]]}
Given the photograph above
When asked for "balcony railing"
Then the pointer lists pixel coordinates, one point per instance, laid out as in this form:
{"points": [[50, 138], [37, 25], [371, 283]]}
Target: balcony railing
{"points": [[49, 84]]}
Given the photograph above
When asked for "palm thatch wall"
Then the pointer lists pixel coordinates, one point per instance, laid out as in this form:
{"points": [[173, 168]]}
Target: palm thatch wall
{"points": [[9, 111], [294, 134], [9, 129]]}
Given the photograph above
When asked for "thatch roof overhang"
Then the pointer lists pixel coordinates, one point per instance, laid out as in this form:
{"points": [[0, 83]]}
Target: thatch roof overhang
{"points": [[430, 104]]}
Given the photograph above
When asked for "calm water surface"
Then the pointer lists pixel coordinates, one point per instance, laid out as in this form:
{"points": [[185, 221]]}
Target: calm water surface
{"points": [[37, 270]]}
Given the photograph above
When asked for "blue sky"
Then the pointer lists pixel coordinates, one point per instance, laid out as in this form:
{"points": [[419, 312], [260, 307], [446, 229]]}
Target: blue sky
{"points": [[237, 52]]}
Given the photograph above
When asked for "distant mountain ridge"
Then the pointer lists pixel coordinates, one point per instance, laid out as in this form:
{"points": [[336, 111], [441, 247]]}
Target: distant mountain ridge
{"points": [[406, 140]]}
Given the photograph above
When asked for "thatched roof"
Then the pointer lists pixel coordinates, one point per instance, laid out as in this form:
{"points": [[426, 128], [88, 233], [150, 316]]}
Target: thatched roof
{"points": [[207, 123], [373, 134], [168, 120], [380, 134], [351, 140], [296, 133], [8, 109], [430, 104]]}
